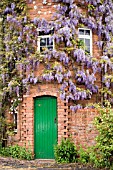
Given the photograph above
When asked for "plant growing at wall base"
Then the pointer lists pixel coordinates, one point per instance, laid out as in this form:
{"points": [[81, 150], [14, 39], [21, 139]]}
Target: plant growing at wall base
{"points": [[16, 151], [102, 153], [65, 152], [70, 65], [83, 155]]}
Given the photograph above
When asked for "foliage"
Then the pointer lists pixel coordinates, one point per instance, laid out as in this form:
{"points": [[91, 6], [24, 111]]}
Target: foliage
{"points": [[16, 151], [102, 154], [15, 36], [0, 146], [83, 155], [65, 152]]}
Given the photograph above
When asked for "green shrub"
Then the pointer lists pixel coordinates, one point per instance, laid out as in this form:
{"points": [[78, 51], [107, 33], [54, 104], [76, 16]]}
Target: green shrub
{"points": [[83, 155], [65, 152], [102, 154], [0, 147], [5, 151], [16, 151]]}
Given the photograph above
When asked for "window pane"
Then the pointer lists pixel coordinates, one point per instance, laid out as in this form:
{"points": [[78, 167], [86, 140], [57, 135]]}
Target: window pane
{"points": [[81, 32], [81, 43], [82, 39], [15, 120], [43, 42], [87, 42], [49, 41], [87, 49], [50, 48], [42, 49], [87, 32]]}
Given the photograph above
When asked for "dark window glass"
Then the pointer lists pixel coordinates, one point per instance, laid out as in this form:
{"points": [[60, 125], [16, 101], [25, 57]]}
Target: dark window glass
{"points": [[15, 120], [87, 49], [42, 41], [50, 48], [87, 42], [81, 32], [42, 48], [49, 41], [87, 32]]}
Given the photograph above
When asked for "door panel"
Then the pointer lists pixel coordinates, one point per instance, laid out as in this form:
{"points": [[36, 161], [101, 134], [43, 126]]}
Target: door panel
{"points": [[45, 126]]}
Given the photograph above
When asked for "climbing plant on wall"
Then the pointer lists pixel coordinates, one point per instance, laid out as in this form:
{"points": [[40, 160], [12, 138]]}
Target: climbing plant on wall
{"points": [[15, 47], [68, 64], [72, 67]]}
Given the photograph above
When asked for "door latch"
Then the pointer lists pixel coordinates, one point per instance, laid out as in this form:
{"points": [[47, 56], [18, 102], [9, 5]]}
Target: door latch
{"points": [[55, 120]]}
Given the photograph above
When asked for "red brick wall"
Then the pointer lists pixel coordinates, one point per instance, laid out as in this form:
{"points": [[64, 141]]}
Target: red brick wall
{"points": [[82, 127], [79, 125], [37, 9]]}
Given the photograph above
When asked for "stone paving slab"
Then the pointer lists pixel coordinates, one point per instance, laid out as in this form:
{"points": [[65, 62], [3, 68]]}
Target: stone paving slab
{"points": [[15, 164]]}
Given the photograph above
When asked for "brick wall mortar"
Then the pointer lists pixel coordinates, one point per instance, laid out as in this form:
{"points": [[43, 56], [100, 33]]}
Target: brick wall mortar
{"points": [[82, 127]]}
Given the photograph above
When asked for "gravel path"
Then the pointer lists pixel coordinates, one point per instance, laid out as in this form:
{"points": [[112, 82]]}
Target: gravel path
{"points": [[15, 164]]}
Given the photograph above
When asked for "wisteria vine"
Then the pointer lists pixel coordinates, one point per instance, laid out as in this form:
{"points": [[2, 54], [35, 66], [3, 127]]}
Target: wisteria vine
{"points": [[68, 64]]}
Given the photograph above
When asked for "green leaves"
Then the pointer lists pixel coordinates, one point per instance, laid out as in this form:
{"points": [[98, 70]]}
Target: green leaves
{"points": [[16, 151], [66, 152], [14, 24], [103, 150], [83, 156]]}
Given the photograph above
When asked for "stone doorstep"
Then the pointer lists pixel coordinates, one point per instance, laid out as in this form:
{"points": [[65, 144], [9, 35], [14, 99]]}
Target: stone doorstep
{"points": [[55, 168], [45, 161]]}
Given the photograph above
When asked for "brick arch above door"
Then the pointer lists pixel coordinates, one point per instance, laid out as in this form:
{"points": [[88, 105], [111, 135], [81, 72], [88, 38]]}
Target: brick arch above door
{"points": [[48, 93]]}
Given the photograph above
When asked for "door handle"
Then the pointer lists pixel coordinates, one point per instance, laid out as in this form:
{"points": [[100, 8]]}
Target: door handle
{"points": [[55, 120]]}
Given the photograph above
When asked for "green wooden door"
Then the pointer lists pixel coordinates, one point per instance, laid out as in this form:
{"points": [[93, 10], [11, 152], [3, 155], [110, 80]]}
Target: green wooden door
{"points": [[45, 126]]}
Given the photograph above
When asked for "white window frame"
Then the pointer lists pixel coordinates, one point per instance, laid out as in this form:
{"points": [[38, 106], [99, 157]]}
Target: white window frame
{"points": [[43, 36], [15, 117], [86, 37]]}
